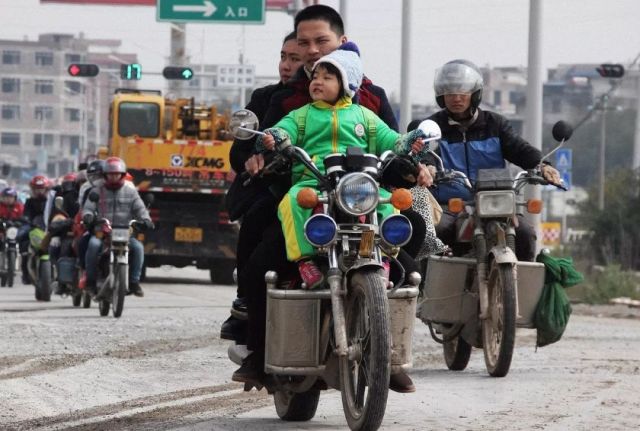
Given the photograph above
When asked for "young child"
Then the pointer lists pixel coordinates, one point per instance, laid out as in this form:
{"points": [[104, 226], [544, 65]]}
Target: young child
{"points": [[332, 123]]}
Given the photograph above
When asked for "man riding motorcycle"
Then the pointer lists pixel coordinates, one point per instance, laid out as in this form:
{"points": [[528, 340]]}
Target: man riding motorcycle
{"points": [[33, 216], [119, 204], [474, 139]]}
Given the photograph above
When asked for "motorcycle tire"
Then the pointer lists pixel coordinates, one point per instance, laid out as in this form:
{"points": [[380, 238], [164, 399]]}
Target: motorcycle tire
{"points": [[86, 299], [456, 354], [296, 407], [76, 299], [499, 329], [120, 289], [44, 280], [364, 397], [11, 267], [103, 307]]}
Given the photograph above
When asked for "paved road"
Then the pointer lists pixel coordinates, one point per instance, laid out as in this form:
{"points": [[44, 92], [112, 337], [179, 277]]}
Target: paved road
{"points": [[162, 366]]}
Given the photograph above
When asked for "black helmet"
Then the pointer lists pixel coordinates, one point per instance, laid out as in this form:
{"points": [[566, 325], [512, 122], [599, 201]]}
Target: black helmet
{"points": [[94, 170], [456, 77]]}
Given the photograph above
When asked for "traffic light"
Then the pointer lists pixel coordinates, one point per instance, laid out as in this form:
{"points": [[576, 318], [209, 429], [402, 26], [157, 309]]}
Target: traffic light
{"points": [[83, 69], [608, 70], [173, 72], [131, 71]]}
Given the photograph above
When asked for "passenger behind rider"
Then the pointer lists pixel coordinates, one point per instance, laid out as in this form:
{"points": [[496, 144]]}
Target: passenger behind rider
{"points": [[120, 204], [320, 31], [253, 203], [33, 216], [332, 124], [474, 139]]}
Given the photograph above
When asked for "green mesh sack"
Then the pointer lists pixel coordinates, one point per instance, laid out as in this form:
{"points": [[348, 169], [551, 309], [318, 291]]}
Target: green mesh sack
{"points": [[552, 313]]}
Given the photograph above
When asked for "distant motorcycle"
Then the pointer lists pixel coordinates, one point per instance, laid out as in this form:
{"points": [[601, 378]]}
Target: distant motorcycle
{"points": [[479, 297], [8, 251]]}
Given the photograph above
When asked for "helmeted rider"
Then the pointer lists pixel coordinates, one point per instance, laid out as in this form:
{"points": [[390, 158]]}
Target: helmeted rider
{"points": [[33, 216], [474, 139], [94, 179], [119, 204], [11, 208]]}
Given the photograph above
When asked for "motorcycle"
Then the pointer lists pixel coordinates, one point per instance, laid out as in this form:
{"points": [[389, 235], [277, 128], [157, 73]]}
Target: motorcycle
{"points": [[39, 264], [66, 277], [8, 251], [113, 263], [352, 336], [478, 297]]}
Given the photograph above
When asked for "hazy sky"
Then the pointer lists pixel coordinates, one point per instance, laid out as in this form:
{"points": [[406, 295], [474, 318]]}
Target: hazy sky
{"points": [[487, 32]]}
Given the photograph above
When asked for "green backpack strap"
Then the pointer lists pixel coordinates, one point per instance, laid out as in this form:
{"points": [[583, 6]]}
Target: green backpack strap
{"points": [[301, 121], [370, 119]]}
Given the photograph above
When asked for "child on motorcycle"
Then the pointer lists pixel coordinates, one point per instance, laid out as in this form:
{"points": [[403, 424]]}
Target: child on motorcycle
{"points": [[330, 124]]}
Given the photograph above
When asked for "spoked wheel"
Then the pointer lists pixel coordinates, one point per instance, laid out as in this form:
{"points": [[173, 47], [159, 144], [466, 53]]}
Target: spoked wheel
{"points": [[499, 329], [456, 353], [365, 370], [296, 407], [119, 289]]}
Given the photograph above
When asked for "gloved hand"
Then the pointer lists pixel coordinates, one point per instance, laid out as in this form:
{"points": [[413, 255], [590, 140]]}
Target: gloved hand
{"points": [[88, 219], [274, 139], [148, 224], [408, 141]]}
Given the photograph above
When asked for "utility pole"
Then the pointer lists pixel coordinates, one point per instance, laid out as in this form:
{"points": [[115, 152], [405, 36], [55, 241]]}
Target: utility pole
{"points": [[405, 66], [177, 56], [603, 140], [636, 142]]}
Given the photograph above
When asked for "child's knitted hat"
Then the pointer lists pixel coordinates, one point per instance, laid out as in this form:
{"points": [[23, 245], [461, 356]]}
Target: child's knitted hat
{"points": [[347, 60]]}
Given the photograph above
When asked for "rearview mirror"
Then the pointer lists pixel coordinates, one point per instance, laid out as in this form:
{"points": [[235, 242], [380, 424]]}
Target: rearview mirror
{"points": [[58, 202], [241, 124], [433, 132], [94, 197], [562, 131]]}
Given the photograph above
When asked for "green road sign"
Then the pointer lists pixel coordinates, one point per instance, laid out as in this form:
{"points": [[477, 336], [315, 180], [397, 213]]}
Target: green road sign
{"points": [[212, 11]]}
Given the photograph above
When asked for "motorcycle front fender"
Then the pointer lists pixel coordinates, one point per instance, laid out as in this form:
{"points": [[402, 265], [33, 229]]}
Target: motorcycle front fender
{"points": [[503, 254], [364, 263]]}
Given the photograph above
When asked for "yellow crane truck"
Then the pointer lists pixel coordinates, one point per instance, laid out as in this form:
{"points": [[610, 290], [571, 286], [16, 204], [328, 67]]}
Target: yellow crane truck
{"points": [[179, 152]]}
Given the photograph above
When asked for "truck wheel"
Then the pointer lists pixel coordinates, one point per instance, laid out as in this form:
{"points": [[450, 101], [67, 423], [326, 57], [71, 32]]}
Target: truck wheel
{"points": [[222, 274]]}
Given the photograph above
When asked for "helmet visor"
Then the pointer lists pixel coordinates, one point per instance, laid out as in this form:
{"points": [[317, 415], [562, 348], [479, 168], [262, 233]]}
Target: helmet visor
{"points": [[456, 78]]}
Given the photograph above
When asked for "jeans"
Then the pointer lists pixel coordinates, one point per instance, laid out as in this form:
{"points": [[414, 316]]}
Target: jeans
{"points": [[136, 259]]}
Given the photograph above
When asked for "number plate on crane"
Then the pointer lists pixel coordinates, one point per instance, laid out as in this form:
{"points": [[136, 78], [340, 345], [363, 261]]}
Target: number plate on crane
{"points": [[188, 234]]}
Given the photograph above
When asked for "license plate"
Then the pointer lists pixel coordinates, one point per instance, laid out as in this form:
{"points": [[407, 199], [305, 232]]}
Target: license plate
{"points": [[188, 234]]}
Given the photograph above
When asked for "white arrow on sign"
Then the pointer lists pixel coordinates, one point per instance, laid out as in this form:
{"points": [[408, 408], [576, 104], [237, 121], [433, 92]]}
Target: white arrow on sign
{"points": [[207, 8]]}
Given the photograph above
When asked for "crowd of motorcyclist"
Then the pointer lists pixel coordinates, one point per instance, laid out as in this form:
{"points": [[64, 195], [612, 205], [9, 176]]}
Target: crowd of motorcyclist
{"points": [[472, 139], [61, 209]]}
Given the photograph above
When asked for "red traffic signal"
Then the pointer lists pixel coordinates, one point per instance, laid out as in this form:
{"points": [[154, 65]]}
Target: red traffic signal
{"points": [[608, 70], [80, 69], [172, 72]]}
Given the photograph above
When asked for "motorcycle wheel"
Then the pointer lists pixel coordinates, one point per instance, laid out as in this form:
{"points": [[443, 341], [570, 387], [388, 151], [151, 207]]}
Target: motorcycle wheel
{"points": [[365, 371], [76, 298], [86, 299], [3, 280], [296, 407], [104, 307], [11, 266], [119, 289], [44, 280], [456, 354], [499, 329]]}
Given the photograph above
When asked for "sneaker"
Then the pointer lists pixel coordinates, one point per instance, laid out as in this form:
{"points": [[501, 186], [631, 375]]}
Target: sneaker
{"points": [[251, 370], [311, 275], [402, 383], [234, 329], [135, 289]]}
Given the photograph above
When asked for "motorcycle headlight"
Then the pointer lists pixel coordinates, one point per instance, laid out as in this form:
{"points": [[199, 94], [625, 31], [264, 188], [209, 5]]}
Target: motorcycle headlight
{"points": [[12, 233], [357, 194], [396, 230], [120, 235], [320, 230], [500, 203]]}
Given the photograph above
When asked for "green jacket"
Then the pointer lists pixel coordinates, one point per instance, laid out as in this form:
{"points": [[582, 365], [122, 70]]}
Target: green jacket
{"points": [[332, 129]]}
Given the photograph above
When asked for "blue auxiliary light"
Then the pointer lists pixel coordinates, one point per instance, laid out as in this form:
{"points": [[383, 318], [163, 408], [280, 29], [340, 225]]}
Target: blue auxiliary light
{"points": [[396, 230], [320, 230]]}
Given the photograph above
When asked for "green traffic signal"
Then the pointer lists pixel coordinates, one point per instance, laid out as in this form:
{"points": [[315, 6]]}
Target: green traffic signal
{"points": [[174, 72]]}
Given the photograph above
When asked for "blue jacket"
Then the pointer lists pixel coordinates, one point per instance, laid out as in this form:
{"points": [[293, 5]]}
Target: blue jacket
{"points": [[485, 144]]}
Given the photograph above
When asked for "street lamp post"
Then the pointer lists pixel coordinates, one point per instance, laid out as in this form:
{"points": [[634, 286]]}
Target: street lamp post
{"points": [[603, 140]]}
